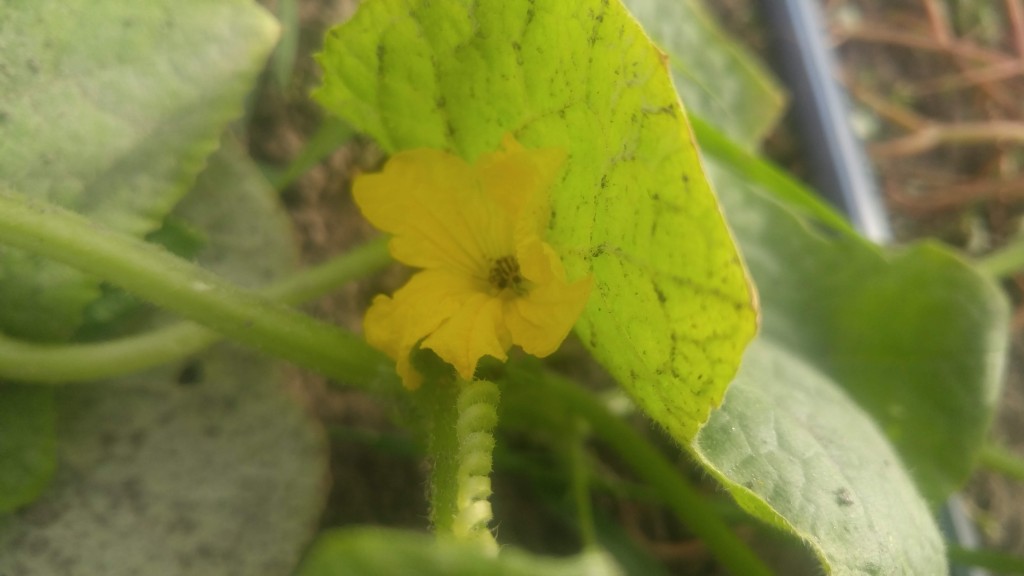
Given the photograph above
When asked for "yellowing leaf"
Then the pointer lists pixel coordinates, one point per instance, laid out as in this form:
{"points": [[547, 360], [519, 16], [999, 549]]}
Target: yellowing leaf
{"points": [[671, 310]]}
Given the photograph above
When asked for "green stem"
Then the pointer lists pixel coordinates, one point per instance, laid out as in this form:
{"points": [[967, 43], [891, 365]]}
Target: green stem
{"points": [[463, 417], [1005, 261], [441, 399], [689, 506], [331, 135], [756, 169], [477, 408], [999, 459], [170, 282], [580, 483], [998, 562], [65, 363]]}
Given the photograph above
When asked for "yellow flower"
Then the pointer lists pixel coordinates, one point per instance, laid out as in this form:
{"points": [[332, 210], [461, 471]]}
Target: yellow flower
{"points": [[487, 280]]}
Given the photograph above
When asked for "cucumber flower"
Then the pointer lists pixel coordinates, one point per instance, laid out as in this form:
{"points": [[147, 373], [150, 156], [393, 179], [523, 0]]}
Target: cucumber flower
{"points": [[487, 280]]}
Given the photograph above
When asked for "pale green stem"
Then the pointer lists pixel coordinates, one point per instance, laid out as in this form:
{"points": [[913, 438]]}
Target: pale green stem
{"points": [[686, 502], [463, 417], [477, 407], [999, 459], [64, 363], [173, 283], [331, 135], [580, 482], [997, 562], [1004, 262], [441, 400]]}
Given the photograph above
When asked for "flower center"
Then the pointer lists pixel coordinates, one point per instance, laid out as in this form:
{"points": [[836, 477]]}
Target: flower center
{"points": [[505, 275]]}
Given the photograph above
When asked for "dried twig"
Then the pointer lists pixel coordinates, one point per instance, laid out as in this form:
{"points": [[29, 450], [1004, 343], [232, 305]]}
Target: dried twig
{"points": [[939, 20], [1015, 11], [956, 196], [938, 134], [997, 72], [885, 35], [886, 108]]}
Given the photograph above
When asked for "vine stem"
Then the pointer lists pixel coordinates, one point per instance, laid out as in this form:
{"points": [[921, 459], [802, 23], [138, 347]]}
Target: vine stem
{"points": [[464, 415], [1005, 261], [688, 505], [38, 363], [999, 459], [477, 407], [155, 275]]}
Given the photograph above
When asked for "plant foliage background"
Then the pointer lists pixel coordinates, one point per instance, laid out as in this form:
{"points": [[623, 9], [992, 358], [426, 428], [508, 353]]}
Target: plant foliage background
{"points": [[859, 406]]}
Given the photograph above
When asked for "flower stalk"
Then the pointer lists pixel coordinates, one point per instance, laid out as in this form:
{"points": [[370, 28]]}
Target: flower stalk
{"points": [[477, 416]]}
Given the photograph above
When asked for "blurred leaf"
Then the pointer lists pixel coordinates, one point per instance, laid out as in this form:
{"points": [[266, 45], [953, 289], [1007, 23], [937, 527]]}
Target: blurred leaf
{"points": [[28, 452], [208, 467], [859, 346], [671, 310], [376, 551], [111, 108], [914, 335], [282, 62], [716, 77], [796, 451]]}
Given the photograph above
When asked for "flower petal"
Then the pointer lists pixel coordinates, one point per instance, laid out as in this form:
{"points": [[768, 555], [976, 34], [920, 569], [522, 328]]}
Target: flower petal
{"points": [[396, 325], [474, 331], [518, 179], [541, 319], [432, 203]]}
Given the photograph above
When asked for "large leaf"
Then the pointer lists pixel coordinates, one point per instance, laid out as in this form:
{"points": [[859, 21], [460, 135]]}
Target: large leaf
{"points": [[207, 467], [715, 76], [796, 451], [375, 551], [914, 335], [27, 444], [671, 311], [873, 380], [110, 108]]}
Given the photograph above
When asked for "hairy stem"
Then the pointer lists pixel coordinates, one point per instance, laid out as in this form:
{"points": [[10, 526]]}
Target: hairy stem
{"points": [[173, 283], [64, 363], [477, 407], [464, 414]]}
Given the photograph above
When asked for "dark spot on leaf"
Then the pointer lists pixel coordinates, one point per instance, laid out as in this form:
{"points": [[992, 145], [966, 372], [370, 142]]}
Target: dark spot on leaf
{"points": [[604, 181], [661, 295], [843, 497]]}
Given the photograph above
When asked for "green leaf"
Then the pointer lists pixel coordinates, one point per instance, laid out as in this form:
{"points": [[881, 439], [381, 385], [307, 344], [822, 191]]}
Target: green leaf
{"points": [[110, 109], [375, 551], [671, 310], [914, 335], [205, 467], [28, 452], [873, 381], [716, 77], [795, 450]]}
